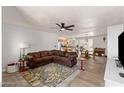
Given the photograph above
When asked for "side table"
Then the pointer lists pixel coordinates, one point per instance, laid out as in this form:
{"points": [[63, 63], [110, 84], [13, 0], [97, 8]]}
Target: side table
{"points": [[22, 66], [82, 63]]}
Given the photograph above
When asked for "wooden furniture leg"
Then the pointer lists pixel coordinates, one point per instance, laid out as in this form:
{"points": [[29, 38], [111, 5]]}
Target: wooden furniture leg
{"points": [[82, 65]]}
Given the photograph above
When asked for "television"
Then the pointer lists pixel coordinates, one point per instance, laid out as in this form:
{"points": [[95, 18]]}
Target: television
{"points": [[121, 48]]}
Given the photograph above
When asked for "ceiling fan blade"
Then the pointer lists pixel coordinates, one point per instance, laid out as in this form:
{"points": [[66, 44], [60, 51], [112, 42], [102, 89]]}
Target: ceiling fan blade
{"points": [[69, 29], [69, 26], [63, 25], [58, 24]]}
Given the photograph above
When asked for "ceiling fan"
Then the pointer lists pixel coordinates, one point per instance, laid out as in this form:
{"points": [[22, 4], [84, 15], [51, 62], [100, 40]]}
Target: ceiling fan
{"points": [[63, 27]]}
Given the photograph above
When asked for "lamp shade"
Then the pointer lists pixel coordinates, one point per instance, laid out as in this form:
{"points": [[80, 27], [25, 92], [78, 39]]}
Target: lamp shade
{"points": [[24, 45]]}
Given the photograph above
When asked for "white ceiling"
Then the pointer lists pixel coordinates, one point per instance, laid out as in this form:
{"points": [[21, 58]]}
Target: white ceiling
{"points": [[85, 18]]}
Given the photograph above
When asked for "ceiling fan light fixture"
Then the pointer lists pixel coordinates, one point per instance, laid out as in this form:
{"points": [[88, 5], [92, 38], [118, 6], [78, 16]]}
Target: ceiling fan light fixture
{"points": [[62, 29]]}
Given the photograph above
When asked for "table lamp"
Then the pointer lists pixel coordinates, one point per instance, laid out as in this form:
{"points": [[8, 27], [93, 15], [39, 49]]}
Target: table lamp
{"points": [[23, 46]]}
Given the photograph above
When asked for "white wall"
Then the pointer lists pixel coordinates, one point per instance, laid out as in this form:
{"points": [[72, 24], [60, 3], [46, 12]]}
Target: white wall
{"points": [[112, 34], [13, 36], [98, 42]]}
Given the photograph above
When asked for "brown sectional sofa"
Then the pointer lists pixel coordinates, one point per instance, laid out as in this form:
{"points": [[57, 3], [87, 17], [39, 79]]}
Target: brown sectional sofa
{"points": [[36, 59]]}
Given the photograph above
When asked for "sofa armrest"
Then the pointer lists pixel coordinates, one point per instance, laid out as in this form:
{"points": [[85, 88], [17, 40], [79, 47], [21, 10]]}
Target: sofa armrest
{"points": [[30, 58]]}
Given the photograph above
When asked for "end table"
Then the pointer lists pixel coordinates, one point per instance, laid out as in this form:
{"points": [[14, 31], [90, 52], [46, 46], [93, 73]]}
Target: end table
{"points": [[22, 66], [82, 63]]}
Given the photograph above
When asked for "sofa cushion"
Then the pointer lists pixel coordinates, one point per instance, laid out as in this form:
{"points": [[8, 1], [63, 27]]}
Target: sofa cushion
{"points": [[71, 54], [43, 53], [58, 53], [53, 52], [47, 58], [67, 54], [50, 53], [34, 54], [62, 60], [43, 59], [62, 53]]}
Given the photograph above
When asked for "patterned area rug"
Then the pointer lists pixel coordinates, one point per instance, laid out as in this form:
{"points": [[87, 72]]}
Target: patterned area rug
{"points": [[50, 75]]}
